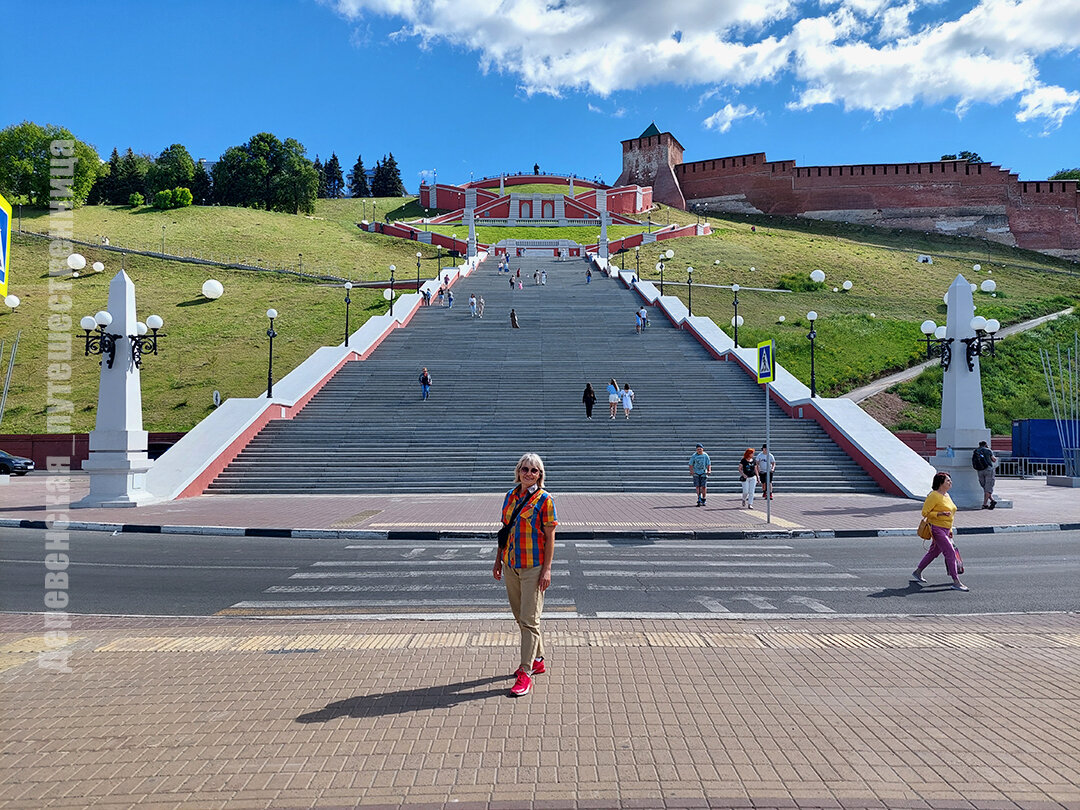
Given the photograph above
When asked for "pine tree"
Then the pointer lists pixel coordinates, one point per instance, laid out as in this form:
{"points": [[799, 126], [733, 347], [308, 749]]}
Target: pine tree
{"points": [[358, 183], [378, 180], [321, 172], [335, 183], [111, 178], [394, 186]]}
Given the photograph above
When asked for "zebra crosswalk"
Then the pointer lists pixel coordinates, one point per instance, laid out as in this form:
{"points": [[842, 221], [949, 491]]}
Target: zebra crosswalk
{"points": [[590, 579]]}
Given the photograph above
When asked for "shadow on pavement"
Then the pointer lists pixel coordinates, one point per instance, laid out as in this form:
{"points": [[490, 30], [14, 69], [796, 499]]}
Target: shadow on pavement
{"points": [[407, 700], [911, 589]]}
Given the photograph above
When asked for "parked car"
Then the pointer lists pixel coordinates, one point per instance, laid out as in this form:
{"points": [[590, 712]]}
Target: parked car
{"points": [[17, 465]]}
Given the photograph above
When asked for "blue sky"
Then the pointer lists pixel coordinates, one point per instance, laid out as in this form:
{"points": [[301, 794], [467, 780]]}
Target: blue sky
{"points": [[483, 86]]}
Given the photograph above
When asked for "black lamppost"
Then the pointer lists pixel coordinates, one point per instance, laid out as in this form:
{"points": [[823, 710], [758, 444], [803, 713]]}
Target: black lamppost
{"points": [[667, 254], [99, 341], [392, 269], [937, 345], [348, 300], [812, 317], [689, 290], [301, 262], [162, 240], [735, 321], [270, 333], [454, 252], [418, 255], [983, 342], [637, 261]]}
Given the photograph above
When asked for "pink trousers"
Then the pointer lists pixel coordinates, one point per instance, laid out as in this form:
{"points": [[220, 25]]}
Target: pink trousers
{"points": [[940, 543]]}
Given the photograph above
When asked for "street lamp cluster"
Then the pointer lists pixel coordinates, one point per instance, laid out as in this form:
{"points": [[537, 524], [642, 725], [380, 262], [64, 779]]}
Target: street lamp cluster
{"points": [[100, 341], [981, 345]]}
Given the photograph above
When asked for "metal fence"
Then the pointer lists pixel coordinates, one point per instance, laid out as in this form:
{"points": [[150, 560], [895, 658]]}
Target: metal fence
{"points": [[1025, 467]]}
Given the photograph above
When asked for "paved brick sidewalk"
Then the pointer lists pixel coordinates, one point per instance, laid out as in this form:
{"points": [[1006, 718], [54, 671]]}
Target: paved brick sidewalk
{"points": [[969, 712], [1035, 504]]}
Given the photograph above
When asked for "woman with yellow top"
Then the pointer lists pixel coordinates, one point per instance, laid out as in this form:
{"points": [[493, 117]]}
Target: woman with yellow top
{"points": [[939, 509]]}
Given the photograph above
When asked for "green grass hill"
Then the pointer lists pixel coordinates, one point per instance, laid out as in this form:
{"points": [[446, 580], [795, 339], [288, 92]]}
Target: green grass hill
{"points": [[221, 345]]}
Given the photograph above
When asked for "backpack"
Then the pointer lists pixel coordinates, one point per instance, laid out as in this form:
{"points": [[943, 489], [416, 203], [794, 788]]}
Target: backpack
{"points": [[977, 460]]}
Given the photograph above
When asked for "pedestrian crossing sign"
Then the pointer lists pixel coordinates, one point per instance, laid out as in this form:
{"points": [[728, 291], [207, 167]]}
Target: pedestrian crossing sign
{"points": [[766, 362], [5, 245]]}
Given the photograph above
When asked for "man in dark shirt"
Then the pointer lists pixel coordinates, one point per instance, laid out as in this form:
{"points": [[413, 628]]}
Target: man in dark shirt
{"points": [[983, 460]]}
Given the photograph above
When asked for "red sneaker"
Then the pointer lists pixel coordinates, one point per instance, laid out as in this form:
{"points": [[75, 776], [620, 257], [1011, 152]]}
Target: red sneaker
{"points": [[522, 685], [538, 667]]}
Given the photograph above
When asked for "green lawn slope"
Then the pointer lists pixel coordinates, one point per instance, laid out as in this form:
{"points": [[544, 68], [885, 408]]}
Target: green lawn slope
{"points": [[221, 345]]}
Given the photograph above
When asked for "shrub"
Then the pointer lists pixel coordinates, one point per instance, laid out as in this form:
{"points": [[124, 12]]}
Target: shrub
{"points": [[178, 197], [135, 199]]}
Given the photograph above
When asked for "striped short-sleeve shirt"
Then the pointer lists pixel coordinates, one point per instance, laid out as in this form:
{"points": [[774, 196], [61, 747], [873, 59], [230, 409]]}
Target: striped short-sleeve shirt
{"points": [[526, 545]]}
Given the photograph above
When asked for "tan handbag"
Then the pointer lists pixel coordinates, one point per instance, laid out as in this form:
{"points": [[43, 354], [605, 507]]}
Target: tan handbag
{"points": [[924, 529]]}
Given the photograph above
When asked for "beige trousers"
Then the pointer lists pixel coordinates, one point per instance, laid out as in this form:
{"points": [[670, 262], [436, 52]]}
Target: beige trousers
{"points": [[527, 603]]}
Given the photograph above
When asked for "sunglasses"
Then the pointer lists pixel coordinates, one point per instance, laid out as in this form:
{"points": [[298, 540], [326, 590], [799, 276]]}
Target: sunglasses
{"points": [[531, 470]]}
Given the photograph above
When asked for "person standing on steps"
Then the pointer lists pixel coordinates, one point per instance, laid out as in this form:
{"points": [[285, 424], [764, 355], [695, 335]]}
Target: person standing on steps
{"points": [[543, 278], [627, 397], [536, 278], [524, 563], [425, 384], [700, 467], [766, 469], [589, 398], [939, 510], [637, 322], [588, 275], [472, 305], [480, 308], [613, 396], [449, 299], [644, 315], [748, 476], [513, 320], [511, 283], [984, 461]]}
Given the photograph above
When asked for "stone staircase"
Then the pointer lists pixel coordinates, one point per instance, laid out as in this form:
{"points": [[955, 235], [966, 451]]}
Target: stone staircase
{"points": [[499, 392]]}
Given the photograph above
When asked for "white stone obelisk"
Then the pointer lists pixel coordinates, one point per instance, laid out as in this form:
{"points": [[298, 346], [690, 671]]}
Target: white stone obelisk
{"points": [[470, 220], [601, 208], [963, 423], [118, 462]]}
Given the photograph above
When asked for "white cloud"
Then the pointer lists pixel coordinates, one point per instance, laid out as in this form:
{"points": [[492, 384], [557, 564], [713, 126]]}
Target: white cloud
{"points": [[874, 55], [1051, 104], [722, 119]]}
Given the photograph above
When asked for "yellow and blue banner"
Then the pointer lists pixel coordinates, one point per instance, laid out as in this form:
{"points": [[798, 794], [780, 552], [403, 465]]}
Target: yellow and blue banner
{"points": [[5, 245]]}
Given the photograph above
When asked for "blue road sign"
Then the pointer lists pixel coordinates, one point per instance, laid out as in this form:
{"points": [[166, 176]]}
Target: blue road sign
{"points": [[766, 362]]}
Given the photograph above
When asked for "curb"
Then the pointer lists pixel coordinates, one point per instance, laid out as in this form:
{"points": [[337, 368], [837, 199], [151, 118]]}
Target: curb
{"points": [[637, 537]]}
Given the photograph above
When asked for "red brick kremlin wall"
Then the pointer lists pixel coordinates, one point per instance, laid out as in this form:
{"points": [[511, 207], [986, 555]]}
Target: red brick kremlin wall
{"points": [[954, 197]]}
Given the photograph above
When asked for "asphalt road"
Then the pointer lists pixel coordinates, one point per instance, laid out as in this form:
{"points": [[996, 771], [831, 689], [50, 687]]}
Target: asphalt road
{"points": [[133, 574]]}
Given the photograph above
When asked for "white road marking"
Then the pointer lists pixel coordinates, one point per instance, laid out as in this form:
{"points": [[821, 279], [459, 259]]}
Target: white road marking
{"points": [[813, 604], [710, 604], [760, 602]]}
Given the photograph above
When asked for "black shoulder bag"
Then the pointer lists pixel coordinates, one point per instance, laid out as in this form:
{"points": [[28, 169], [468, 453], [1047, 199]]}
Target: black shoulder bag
{"points": [[504, 532]]}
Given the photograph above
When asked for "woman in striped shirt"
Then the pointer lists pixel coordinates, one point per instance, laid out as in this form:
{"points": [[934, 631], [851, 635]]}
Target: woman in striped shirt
{"points": [[524, 565]]}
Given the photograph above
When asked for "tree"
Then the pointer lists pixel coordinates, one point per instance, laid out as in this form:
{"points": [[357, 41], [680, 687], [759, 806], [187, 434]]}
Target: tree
{"points": [[295, 181], [26, 154], [172, 169], [201, 190], [321, 172], [358, 184], [334, 182], [1066, 174], [394, 186], [970, 157], [131, 177], [267, 173]]}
